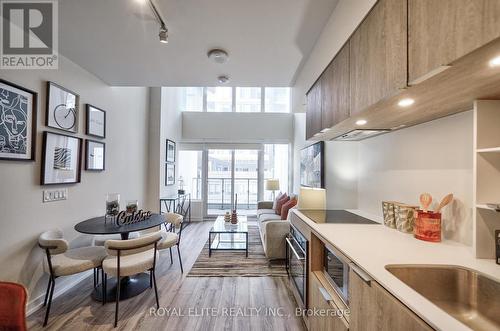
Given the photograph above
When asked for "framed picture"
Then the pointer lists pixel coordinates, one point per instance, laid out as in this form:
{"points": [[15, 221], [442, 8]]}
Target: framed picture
{"points": [[62, 108], [169, 174], [61, 159], [312, 165], [18, 110], [96, 122], [170, 151], [95, 155]]}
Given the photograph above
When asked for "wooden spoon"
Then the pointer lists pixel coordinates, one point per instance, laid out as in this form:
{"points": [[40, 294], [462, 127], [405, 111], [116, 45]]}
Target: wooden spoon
{"points": [[446, 200], [425, 201]]}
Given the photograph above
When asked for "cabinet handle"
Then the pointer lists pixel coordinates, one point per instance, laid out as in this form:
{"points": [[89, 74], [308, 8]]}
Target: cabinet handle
{"points": [[328, 298], [361, 273]]}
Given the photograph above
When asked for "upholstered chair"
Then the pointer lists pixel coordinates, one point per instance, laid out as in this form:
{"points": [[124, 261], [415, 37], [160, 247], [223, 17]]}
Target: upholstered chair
{"points": [[62, 261], [169, 236], [100, 240], [130, 257]]}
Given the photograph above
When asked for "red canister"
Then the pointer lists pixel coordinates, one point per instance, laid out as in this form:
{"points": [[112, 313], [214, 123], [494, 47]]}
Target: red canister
{"points": [[428, 226]]}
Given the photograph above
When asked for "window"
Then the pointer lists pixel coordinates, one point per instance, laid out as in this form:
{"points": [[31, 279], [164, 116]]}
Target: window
{"points": [[191, 99], [248, 100], [219, 99], [277, 100], [190, 172], [276, 166]]}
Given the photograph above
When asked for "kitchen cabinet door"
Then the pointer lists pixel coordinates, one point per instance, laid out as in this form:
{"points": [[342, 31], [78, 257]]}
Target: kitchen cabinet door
{"points": [[313, 110], [441, 31], [335, 90], [375, 309], [319, 304], [378, 55]]}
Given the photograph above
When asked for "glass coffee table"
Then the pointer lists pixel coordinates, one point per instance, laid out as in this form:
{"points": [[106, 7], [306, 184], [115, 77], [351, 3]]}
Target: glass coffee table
{"points": [[224, 236]]}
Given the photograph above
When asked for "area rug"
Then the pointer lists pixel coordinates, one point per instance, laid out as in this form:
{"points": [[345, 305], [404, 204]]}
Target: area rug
{"points": [[235, 264]]}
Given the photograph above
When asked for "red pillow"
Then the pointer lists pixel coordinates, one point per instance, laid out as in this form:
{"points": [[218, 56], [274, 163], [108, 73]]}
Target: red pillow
{"points": [[280, 203], [286, 207]]}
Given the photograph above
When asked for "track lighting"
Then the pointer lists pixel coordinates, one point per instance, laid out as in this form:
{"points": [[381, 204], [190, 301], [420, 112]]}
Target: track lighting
{"points": [[163, 35]]}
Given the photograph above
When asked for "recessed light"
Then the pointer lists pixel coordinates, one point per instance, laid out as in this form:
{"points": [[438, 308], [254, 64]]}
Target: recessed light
{"points": [[361, 122], [223, 79], [218, 55], [495, 62], [406, 102]]}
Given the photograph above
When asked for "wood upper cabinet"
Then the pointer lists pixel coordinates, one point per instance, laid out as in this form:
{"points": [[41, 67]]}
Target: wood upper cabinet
{"points": [[378, 54], [441, 31], [313, 110], [373, 308], [336, 90]]}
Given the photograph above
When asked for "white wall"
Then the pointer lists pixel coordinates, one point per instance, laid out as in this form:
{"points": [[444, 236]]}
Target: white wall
{"points": [[434, 157], [237, 127], [341, 168], [342, 23], [24, 216]]}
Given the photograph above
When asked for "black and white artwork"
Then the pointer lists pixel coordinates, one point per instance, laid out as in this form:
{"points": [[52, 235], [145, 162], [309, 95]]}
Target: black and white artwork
{"points": [[169, 174], [61, 159], [312, 166], [62, 108], [170, 151], [96, 122], [17, 122], [95, 155]]}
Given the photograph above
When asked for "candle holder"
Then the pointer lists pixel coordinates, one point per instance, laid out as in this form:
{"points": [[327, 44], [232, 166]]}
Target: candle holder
{"points": [[132, 207]]}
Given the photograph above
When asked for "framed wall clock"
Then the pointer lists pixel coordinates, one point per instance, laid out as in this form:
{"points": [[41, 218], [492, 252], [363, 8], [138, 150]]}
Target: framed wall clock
{"points": [[62, 108], [95, 155], [18, 110], [96, 122], [61, 159]]}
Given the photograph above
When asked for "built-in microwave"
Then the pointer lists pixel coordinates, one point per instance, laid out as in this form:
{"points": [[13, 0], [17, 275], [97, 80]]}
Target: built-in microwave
{"points": [[336, 269]]}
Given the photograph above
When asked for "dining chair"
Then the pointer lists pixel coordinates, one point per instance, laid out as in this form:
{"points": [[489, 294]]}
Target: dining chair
{"points": [[169, 237], [62, 261], [13, 298], [130, 257], [100, 240]]}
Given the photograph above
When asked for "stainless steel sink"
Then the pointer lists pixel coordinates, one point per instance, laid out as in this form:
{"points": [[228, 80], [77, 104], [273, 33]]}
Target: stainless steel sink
{"points": [[467, 295]]}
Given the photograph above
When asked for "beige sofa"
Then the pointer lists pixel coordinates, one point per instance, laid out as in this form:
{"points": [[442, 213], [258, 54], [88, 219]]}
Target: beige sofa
{"points": [[272, 230]]}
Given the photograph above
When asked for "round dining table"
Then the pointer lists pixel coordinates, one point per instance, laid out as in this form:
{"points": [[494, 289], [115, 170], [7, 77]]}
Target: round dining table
{"points": [[132, 285]]}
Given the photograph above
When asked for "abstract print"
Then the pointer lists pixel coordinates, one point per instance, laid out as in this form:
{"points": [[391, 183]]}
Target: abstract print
{"points": [[13, 122]]}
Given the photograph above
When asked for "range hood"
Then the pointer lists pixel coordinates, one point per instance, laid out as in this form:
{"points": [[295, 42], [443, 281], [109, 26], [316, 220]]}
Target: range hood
{"points": [[356, 135]]}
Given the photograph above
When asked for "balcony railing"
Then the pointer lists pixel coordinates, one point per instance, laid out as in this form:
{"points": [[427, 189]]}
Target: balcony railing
{"points": [[219, 192]]}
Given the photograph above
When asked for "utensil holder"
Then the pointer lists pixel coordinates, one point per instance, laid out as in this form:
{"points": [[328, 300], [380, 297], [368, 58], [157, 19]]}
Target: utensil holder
{"points": [[428, 226], [405, 217], [388, 211]]}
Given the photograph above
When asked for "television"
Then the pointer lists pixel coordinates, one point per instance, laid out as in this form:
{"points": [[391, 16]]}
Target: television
{"points": [[312, 166]]}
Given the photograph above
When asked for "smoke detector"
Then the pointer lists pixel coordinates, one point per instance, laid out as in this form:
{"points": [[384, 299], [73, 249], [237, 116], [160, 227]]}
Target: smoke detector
{"points": [[218, 55]]}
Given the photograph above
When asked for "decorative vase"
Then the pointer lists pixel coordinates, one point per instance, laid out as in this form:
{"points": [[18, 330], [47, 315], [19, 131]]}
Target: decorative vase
{"points": [[132, 207], [112, 204]]}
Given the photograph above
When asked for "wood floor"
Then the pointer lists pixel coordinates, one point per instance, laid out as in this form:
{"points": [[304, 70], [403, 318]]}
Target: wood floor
{"points": [[190, 303]]}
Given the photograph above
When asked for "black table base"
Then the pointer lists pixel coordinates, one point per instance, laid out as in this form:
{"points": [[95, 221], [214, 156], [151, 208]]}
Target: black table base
{"points": [[129, 287]]}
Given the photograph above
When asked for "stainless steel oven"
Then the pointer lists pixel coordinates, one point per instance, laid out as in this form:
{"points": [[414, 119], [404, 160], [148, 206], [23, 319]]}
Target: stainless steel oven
{"points": [[297, 248], [336, 268]]}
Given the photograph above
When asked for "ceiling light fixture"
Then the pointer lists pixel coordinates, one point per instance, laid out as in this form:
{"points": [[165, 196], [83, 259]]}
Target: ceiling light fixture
{"points": [[325, 130], [406, 102], [218, 55], [361, 122], [223, 79], [495, 62], [163, 35]]}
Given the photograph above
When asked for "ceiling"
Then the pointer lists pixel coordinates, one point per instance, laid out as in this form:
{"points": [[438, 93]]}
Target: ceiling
{"points": [[117, 40]]}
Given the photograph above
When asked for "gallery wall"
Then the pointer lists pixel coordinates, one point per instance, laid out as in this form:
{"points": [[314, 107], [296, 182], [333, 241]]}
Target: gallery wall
{"points": [[24, 216]]}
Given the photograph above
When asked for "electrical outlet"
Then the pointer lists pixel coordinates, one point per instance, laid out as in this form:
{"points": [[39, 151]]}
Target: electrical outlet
{"points": [[55, 195]]}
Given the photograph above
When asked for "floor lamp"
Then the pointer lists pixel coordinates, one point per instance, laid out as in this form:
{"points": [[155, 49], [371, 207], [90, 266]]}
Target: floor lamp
{"points": [[273, 185]]}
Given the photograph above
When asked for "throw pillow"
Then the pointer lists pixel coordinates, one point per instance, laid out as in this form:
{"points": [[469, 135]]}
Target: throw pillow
{"points": [[280, 203], [286, 207], [276, 200]]}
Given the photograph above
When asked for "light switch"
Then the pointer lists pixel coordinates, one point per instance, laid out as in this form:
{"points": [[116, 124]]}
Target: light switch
{"points": [[55, 195]]}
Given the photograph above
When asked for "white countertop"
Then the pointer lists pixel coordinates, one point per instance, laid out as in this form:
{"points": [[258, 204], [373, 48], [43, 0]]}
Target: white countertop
{"points": [[372, 247]]}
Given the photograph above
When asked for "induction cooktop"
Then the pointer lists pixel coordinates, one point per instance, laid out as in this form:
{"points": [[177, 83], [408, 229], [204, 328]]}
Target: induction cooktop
{"points": [[335, 217]]}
